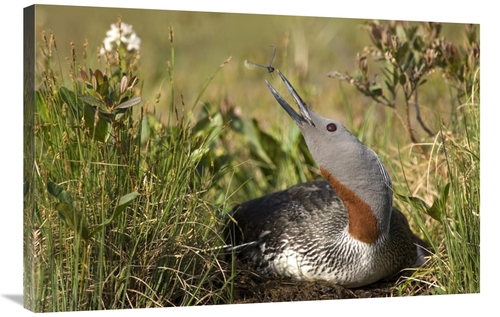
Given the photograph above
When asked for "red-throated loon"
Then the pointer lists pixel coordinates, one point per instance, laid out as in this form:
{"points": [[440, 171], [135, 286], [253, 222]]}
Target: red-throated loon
{"points": [[344, 230]]}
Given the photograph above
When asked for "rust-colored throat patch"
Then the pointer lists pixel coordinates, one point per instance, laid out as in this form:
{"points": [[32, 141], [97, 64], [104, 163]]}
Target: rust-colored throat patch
{"points": [[363, 225]]}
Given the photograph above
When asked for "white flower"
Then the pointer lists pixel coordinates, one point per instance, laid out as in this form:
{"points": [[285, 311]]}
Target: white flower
{"points": [[126, 28], [108, 44], [113, 39], [133, 43]]}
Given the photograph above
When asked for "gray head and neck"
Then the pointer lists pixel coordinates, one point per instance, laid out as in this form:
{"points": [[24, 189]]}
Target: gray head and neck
{"points": [[354, 171]]}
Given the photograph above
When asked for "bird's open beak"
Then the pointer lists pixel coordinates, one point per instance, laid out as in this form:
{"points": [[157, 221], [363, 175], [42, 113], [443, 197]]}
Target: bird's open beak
{"points": [[300, 119]]}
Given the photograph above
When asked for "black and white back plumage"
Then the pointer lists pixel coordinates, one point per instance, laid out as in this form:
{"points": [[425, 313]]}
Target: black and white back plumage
{"points": [[300, 233]]}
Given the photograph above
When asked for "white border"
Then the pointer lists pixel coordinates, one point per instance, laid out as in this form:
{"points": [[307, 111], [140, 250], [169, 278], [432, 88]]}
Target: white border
{"points": [[458, 11]]}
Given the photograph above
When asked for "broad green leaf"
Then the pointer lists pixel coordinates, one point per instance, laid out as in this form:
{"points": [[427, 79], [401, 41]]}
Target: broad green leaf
{"points": [[122, 204], [66, 209], [145, 130], [197, 154], [149, 127], [99, 77], [270, 145], [129, 103], [41, 106], [437, 209], [100, 82], [411, 32], [102, 127], [358, 76], [250, 131], [401, 33], [127, 199], [210, 126], [306, 153], [68, 96], [402, 79], [417, 56], [58, 192], [414, 201], [91, 100], [292, 141], [439, 205], [401, 52], [376, 90], [109, 98], [108, 116], [73, 219], [103, 89], [70, 99]]}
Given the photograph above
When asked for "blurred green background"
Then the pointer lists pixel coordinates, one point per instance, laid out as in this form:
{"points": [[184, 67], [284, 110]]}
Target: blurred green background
{"points": [[307, 48]]}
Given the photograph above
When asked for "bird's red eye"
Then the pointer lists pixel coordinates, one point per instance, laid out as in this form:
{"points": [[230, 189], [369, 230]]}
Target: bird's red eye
{"points": [[331, 127]]}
